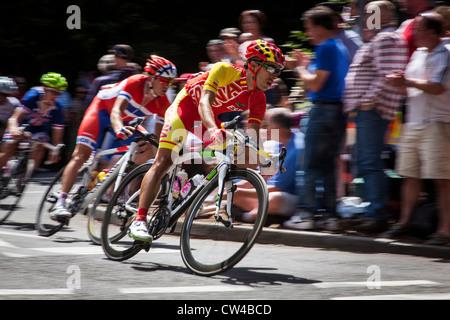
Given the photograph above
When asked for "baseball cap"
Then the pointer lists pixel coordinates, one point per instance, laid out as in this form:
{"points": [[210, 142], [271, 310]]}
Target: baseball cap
{"points": [[123, 51]]}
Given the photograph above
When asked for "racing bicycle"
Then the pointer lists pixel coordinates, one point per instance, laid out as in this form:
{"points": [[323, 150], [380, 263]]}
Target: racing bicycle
{"points": [[17, 173], [89, 191], [211, 242]]}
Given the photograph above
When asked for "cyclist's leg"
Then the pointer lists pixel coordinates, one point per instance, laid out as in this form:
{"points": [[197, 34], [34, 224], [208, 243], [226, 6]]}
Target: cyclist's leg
{"points": [[38, 151], [89, 133], [87, 137], [149, 192], [9, 148], [173, 136]]}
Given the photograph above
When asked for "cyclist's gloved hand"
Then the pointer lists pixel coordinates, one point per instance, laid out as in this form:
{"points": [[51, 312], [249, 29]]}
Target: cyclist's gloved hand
{"points": [[217, 135], [124, 133]]}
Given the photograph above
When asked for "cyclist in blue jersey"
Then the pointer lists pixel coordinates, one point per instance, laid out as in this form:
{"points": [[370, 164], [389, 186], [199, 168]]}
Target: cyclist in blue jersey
{"points": [[42, 112]]}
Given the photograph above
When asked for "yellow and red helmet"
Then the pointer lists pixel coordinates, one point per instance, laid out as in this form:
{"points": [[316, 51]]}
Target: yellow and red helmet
{"points": [[265, 51]]}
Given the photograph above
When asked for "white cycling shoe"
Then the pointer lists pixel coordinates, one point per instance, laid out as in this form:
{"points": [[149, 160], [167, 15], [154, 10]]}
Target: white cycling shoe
{"points": [[60, 213], [138, 231]]}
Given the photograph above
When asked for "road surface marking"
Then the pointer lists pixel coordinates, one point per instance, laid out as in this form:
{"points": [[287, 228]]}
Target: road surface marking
{"points": [[153, 290], [327, 285], [11, 292], [412, 296]]}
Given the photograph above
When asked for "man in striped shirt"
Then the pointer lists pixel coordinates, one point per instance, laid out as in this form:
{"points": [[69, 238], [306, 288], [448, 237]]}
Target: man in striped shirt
{"points": [[375, 102], [425, 142]]}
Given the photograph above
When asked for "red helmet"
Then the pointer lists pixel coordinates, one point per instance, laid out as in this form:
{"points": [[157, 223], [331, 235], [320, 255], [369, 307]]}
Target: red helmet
{"points": [[160, 67], [265, 51]]}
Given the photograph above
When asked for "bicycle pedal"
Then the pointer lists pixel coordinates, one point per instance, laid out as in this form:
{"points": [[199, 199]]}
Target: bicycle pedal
{"points": [[144, 245]]}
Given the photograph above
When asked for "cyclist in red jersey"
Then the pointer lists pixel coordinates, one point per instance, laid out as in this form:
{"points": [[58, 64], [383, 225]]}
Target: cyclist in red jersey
{"points": [[136, 96], [224, 88]]}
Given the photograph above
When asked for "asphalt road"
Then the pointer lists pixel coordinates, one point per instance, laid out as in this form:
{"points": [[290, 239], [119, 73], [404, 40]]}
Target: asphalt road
{"points": [[67, 266]]}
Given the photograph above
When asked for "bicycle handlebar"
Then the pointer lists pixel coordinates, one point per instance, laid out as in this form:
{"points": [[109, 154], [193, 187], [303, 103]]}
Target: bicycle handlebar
{"points": [[149, 137], [233, 124], [45, 144]]}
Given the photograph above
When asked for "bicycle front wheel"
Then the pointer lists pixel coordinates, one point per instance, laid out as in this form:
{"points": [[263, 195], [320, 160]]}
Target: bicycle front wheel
{"points": [[96, 210], [208, 246], [119, 215], [44, 224], [12, 189]]}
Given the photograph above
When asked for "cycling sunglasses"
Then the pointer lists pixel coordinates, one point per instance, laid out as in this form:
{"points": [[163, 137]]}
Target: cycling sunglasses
{"points": [[165, 81], [270, 69]]}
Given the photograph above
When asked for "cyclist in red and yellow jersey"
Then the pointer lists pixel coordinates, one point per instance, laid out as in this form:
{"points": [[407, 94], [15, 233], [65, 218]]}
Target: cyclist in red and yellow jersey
{"points": [[224, 88]]}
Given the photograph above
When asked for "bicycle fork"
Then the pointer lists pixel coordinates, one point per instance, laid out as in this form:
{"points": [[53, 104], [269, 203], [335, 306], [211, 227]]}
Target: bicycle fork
{"points": [[230, 187]]}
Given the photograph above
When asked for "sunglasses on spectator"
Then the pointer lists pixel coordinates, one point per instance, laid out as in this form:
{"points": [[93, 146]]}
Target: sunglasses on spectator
{"points": [[270, 69]]}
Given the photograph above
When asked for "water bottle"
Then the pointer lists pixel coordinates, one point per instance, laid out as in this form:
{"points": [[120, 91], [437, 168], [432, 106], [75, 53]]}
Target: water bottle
{"points": [[197, 179], [102, 174], [191, 184], [179, 183], [7, 169], [94, 175]]}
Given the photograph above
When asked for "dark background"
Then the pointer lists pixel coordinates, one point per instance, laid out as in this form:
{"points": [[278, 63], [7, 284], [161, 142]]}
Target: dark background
{"points": [[34, 38]]}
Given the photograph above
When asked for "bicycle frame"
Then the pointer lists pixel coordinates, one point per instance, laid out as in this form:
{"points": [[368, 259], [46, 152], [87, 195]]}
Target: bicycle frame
{"points": [[121, 165], [226, 161]]}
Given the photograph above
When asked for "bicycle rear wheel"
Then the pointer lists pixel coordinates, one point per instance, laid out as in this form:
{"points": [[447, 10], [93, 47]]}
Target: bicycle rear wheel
{"points": [[209, 247], [44, 224], [119, 215], [12, 189]]}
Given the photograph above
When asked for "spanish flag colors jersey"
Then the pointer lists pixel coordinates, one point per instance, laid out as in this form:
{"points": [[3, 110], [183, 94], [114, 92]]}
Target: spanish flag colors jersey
{"points": [[229, 84]]}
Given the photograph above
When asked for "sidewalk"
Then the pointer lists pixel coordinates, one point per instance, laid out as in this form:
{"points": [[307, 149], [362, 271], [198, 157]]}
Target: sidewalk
{"points": [[351, 243]]}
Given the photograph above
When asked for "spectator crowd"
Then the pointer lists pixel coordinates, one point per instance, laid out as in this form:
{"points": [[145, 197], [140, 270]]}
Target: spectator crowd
{"points": [[365, 117]]}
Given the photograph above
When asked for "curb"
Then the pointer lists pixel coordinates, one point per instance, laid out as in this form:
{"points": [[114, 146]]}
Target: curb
{"points": [[355, 244], [328, 241]]}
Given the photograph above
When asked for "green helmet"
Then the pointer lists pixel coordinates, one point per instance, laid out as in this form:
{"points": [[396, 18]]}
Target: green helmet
{"points": [[54, 80]]}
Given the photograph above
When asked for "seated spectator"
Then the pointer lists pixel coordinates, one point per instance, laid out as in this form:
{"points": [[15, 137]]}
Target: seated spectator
{"points": [[282, 186]]}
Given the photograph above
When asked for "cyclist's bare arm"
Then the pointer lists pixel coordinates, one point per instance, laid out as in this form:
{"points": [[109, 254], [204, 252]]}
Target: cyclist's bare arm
{"points": [[13, 122], [205, 109], [57, 139], [117, 111]]}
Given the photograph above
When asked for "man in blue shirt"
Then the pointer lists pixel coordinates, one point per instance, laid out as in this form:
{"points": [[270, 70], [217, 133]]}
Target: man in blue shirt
{"points": [[323, 77]]}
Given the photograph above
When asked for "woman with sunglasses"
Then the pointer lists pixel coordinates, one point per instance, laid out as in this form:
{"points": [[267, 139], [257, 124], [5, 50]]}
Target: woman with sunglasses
{"points": [[141, 95], [200, 108], [43, 113]]}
